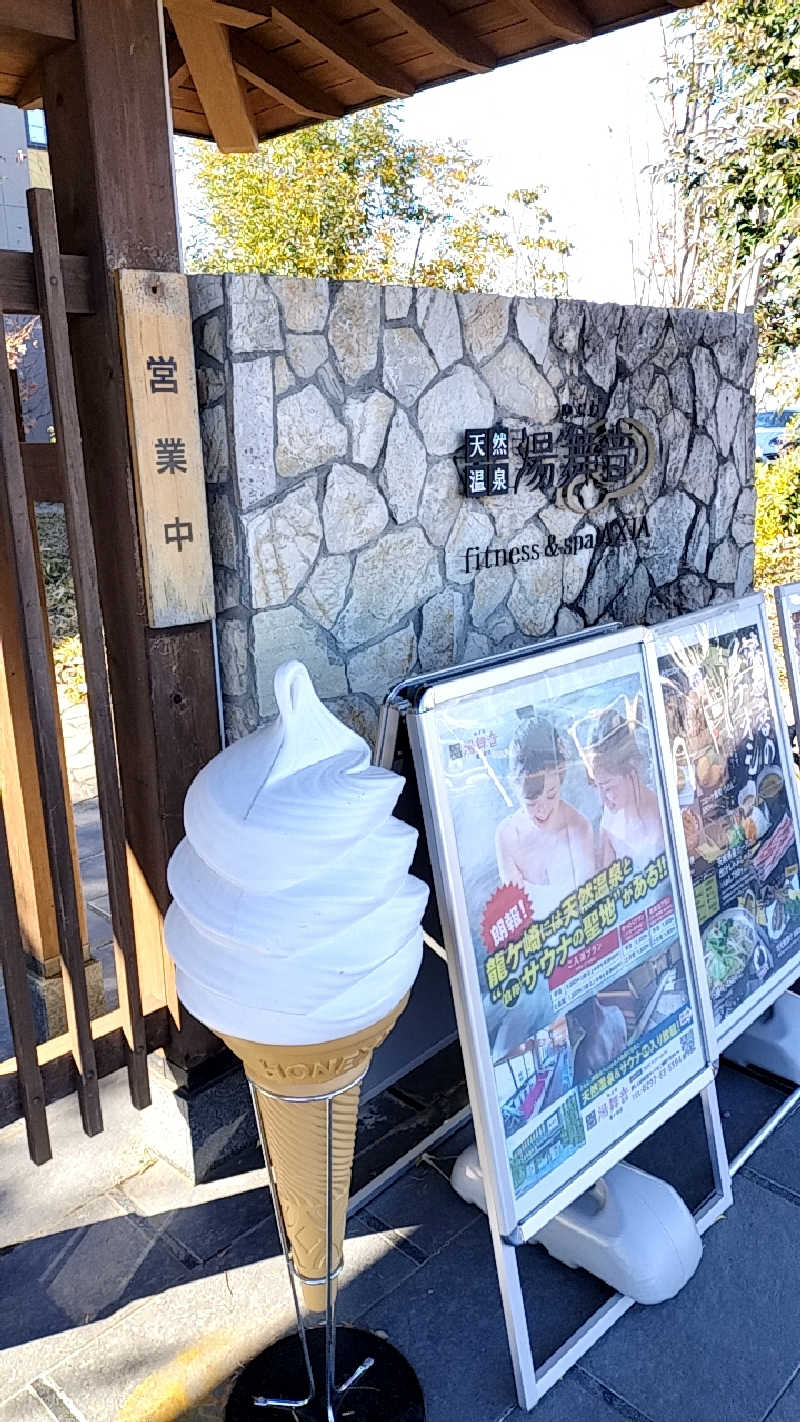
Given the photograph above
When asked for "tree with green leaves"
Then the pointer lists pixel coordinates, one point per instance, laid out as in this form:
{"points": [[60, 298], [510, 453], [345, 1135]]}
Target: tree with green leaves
{"points": [[356, 199], [726, 198]]}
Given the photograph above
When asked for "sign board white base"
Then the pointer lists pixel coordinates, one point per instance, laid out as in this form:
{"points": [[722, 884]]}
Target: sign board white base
{"points": [[630, 1229]]}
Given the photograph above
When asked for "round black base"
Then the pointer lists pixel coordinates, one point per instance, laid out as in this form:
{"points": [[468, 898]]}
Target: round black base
{"points": [[389, 1391]]}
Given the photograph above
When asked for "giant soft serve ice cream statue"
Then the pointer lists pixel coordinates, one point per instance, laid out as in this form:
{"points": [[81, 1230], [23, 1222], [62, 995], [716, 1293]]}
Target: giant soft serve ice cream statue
{"points": [[295, 929]]}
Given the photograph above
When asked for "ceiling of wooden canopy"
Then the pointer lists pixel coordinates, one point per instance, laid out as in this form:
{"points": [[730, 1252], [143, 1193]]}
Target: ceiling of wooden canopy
{"points": [[242, 72]]}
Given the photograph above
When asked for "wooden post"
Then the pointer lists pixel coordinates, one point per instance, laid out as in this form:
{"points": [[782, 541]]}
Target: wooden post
{"points": [[110, 150], [12, 961]]}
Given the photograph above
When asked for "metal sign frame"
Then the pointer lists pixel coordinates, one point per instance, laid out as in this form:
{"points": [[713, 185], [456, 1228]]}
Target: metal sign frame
{"points": [[746, 611], [787, 601], [508, 1230]]}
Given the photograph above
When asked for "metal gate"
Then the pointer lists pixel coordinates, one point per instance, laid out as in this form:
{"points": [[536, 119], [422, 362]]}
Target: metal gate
{"points": [[53, 285]]}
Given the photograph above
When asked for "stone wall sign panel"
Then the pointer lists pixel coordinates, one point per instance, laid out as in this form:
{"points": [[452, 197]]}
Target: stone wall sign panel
{"points": [[334, 418]]}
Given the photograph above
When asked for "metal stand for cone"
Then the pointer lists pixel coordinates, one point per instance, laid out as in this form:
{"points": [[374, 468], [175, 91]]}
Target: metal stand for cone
{"points": [[382, 1387]]}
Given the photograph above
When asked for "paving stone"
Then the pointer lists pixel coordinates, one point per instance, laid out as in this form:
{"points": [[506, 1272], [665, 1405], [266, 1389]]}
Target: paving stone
{"points": [[735, 1325], [25, 1407], [424, 1208], [202, 1219], [191, 1338], [777, 1161], [448, 1321], [678, 1153], [379, 1122], [99, 928], [375, 1263], [65, 1286], [93, 876], [41, 1201], [579, 1398], [188, 1340], [88, 830]]}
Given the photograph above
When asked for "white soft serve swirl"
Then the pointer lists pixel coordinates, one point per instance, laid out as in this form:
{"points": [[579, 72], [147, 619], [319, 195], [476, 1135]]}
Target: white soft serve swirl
{"points": [[294, 918]]}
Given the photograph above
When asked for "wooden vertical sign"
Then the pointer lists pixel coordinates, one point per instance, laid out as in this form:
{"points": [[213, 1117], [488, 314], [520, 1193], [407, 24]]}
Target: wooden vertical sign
{"points": [[156, 335]]}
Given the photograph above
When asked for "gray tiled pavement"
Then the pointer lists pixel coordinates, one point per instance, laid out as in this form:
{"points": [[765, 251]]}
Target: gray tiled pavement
{"points": [[127, 1295]]}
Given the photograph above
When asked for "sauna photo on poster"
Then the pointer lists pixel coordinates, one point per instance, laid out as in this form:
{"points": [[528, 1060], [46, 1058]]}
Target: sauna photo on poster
{"points": [[560, 831]]}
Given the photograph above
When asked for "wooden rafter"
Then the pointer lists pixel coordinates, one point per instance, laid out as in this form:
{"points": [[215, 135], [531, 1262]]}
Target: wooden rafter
{"points": [[563, 17], [207, 52], [29, 93], [238, 17], [306, 19], [177, 68], [275, 77], [429, 21], [48, 19]]}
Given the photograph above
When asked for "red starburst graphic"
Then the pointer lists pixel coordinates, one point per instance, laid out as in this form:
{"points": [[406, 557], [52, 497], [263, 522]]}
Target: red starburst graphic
{"points": [[506, 916]]}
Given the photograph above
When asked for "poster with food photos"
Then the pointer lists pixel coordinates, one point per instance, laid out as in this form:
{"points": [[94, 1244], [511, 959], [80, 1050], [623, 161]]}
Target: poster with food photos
{"points": [[557, 812], [735, 789]]}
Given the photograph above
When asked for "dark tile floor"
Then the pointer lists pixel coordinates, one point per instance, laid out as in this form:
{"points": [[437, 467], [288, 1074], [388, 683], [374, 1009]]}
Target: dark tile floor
{"points": [[125, 1292]]}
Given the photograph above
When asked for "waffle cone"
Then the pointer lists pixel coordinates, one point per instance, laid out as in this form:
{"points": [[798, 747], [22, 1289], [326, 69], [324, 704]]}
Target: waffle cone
{"points": [[296, 1136]]}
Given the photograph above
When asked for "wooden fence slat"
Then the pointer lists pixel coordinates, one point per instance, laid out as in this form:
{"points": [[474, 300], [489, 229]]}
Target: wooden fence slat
{"points": [[42, 474], [58, 1068], [69, 453], [20, 1011], [14, 513], [18, 295]]}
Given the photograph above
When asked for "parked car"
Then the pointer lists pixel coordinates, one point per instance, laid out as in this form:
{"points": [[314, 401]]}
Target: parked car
{"points": [[773, 433]]}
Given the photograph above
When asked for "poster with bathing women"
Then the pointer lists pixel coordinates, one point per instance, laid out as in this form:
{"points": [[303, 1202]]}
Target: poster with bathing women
{"points": [[559, 824], [734, 780]]}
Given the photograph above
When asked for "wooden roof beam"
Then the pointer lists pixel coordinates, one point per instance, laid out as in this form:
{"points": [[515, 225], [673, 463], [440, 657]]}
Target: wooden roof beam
{"points": [[563, 18], [238, 17], [430, 22], [177, 68], [275, 77], [307, 20], [49, 19], [29, 93], [220, 90]]}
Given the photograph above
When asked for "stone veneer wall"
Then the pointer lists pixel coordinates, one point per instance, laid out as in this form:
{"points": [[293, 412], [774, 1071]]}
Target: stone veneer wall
{"points": [[330, 413]]}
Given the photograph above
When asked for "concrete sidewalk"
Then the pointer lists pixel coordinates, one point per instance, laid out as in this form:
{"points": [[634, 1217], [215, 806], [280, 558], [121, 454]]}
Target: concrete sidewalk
{"points": [[127, 1295]]}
